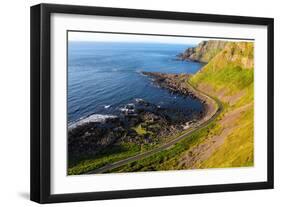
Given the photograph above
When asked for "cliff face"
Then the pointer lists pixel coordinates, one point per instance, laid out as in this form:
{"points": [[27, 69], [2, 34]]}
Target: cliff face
{"points": [[230, 70], [239, 54], [204, 52]]}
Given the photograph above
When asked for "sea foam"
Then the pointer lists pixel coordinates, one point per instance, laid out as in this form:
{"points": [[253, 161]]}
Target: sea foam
{"points": [[92, 118], [107, 106]]}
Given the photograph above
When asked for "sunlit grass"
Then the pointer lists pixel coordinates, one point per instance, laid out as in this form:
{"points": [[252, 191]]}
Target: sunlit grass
{"points": [[140, 130], [237, 149]]}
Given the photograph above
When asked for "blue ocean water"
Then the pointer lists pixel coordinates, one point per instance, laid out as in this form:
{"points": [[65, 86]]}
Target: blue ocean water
{"points": [[105, 76]]}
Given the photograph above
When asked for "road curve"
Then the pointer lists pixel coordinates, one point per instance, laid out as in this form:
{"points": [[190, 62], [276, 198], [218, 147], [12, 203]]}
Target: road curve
{"points": [[120, 163]]}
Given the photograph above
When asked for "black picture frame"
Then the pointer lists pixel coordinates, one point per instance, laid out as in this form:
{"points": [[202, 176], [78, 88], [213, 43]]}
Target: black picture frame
{"points": [[41, 95]]}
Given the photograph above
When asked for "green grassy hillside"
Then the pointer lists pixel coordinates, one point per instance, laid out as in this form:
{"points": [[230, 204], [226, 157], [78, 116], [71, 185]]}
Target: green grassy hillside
{"points": [[229, 76], [231, 69]]}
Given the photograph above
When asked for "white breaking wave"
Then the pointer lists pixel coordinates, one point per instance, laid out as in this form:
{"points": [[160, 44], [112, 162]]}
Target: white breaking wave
{"points": [[141, 73], [92, 118], [107, 106], [139, 100]]}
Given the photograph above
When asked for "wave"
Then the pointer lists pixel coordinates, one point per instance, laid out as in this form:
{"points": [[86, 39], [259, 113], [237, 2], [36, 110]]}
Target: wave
{"points": [[99, 118], [139, 100], [107, 106], [140, 72]]}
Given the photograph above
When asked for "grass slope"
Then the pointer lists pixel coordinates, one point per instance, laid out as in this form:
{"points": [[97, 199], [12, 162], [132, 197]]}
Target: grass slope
{"points": [[228, 74], [231, 69], [237, 149]]}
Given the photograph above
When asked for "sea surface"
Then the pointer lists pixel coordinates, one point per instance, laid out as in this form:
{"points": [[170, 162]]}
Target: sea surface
{"points": [[105, 76]]}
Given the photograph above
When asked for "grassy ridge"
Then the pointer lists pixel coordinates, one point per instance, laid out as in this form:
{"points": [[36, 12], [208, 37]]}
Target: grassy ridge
{"points": [[232, 71]]}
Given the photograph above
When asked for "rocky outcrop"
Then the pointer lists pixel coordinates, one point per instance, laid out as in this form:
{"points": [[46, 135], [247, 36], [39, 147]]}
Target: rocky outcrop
{"points": [[177, 83], [90, 138], [204, 52]]}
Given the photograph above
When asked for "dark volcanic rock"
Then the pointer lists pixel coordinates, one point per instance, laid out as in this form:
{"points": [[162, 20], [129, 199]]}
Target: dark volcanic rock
{"points": [[90, 138]]}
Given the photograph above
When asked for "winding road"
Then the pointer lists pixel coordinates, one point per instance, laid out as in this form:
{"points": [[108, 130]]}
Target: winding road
{"points": [[165, 146]]}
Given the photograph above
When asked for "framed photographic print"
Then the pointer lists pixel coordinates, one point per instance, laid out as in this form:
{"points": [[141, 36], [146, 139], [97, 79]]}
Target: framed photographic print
{"points": [[132, 103]]}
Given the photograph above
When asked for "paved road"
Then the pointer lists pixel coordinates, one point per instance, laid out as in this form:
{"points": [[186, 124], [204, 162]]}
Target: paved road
{"points": [[120, 163]]}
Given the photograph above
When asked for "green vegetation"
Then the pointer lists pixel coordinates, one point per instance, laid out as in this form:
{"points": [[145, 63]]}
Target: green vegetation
{"points": [[114, 154], [231, 69], [231, 73], [110, 155], [238, 147], [233, 78], [140, 130], [167, 159]]}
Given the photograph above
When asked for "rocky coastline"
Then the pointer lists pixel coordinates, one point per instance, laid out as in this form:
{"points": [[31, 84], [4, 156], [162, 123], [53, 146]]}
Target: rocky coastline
{"points": [[178, 83], [175, 83], [140, 122]]}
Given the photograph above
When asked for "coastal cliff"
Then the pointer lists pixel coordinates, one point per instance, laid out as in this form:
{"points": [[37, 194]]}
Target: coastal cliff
{"points": [[204, 52], [229, 77]]}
